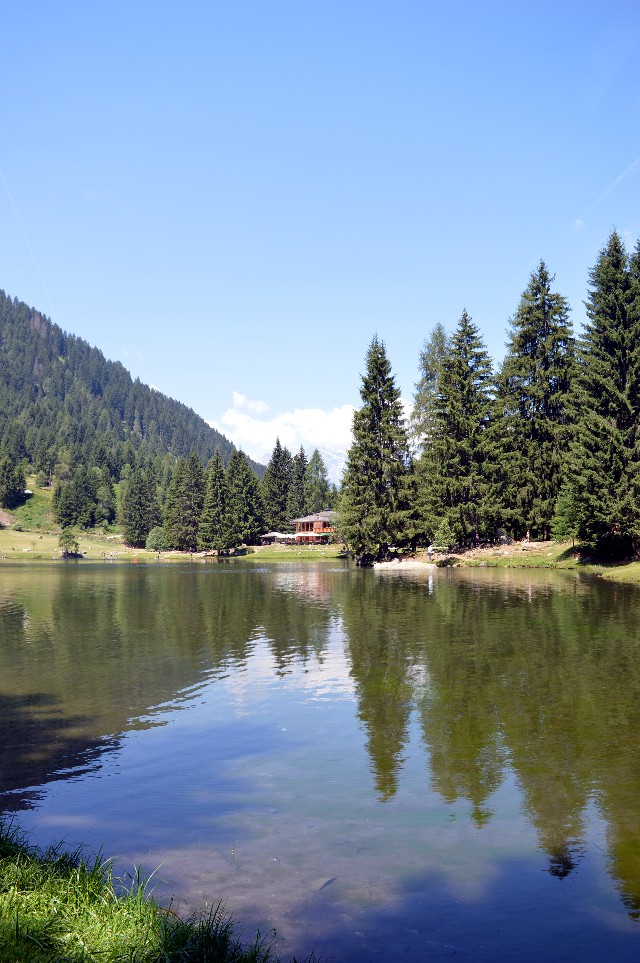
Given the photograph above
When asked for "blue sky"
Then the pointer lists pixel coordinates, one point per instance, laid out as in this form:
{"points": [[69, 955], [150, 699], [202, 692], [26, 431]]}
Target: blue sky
{"points": [[231, 199]]}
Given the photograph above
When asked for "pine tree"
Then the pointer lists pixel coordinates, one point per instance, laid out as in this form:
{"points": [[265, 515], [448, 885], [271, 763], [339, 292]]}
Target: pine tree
{"points": [[246, 514], [453, 470], [316, 484], [296, 507], [184, 505], [532, 417], [434, 350], [275, 488], [75, 502], [105, 511], [171, 517], [374, 505], [564, 523], [214, 531], [603, 471], [139, 511], [12, 483]]}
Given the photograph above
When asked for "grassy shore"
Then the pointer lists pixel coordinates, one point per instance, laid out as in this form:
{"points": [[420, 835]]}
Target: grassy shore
{"points": [[562, 556], [24, 545], [57, 906], [29, 532], [19, 546]]}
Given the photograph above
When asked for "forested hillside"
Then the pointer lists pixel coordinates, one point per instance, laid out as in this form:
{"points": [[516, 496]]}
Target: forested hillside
{"points": [[63, 404]]}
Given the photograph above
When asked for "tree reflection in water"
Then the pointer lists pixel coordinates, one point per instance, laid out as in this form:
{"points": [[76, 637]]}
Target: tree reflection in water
{"points": [[508, 675]]}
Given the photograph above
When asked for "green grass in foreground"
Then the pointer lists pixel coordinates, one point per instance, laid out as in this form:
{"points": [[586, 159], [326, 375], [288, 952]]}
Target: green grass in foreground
{"points": [[56, 906]]}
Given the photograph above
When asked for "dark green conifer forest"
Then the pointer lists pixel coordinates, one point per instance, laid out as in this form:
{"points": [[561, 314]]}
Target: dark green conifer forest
{"points": [[81, 424], [545, 446], [63, 404]]}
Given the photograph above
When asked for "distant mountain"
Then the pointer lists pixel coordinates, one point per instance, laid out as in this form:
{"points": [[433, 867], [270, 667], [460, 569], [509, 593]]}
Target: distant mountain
{"points": [[335, 460], [63, 403]]}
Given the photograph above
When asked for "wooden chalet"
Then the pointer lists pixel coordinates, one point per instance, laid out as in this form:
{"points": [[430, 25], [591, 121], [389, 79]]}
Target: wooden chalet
{"points": [[314, 529]]}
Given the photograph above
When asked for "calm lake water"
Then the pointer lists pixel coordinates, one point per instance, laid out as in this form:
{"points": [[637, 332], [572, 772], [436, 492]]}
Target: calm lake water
{"points": [[379, 766]]}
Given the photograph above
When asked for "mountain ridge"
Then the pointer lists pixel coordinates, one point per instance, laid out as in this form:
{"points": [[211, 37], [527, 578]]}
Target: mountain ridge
{"points": [[63, 402]]}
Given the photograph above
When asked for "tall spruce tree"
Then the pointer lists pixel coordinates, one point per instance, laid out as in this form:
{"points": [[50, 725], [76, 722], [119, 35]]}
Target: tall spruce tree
{"points": [[12, 483], [453, 470], [296, 497], [316, 484], [74, 503], [105, 511], [184, 505], [139, 510], [532, 416], [374, 508], [434, 350], [246, 513], [275, 488], [603, 470], [214, 531]]}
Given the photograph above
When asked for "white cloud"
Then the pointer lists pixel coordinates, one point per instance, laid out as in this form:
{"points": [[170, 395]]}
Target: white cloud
{"points": [[309, 427], [327, 430], [407, 409], [241, 401]]}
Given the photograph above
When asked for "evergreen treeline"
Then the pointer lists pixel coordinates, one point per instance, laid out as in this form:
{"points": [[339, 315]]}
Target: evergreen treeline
{"points": [[81, 421], [116, 450], [547, 444], [217, 508]]}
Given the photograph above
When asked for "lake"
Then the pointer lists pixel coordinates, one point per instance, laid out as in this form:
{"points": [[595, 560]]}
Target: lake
{"points": [[409, 764]]}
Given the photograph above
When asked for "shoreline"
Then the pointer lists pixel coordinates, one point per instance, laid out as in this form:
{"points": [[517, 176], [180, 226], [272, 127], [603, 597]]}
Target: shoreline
{"points": [[59, 904], [19, 546]]}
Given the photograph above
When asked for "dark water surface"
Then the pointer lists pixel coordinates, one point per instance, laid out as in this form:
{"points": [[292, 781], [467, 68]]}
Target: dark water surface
{"points": [[412, 765]]}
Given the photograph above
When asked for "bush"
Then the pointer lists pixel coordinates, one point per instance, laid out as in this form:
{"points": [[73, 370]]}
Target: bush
{"points": [[444, 537], [155, 540]]}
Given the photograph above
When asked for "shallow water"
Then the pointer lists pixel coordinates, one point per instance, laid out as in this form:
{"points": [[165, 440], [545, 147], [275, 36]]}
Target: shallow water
{"points": [[379, 765]]}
